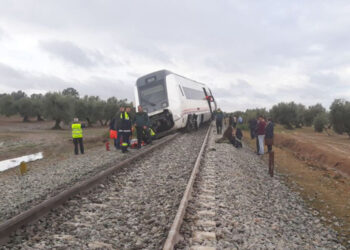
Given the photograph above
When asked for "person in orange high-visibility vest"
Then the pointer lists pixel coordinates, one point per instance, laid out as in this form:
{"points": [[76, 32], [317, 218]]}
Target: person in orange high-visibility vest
{"points": [[77, 134]]}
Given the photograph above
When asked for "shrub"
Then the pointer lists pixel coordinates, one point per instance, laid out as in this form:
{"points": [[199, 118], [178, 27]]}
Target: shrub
{"points": [[320, 121]]}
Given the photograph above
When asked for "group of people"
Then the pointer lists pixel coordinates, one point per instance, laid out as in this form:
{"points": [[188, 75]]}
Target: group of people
{"points": [[263, 132], [260, 129], [122, 124], [120, 129], [233, 133]]}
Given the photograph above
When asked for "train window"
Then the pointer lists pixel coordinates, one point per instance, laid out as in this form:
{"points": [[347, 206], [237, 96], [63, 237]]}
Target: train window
{"points": [[193, 93], [152, 90], [181, 90], [152, 94]]}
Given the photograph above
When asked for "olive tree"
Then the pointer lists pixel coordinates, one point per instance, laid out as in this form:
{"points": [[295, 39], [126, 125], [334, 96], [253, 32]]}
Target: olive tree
{"points": [[250, 114], [320, 122], [7, 105], [59, 108], [311, 112], [288, 114], [25, 108], [70, 92], [340, 116], [38, 106]]}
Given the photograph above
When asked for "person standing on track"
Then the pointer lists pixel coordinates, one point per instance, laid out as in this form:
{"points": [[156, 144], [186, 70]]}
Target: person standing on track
{"points": [[142, 126], [239, 136], [260, 132], [124, 129], [269, 134], [219, 116], [77, 134]]}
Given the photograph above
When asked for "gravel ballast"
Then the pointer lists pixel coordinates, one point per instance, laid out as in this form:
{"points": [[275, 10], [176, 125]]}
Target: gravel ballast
{"points": [[48, 177], [133, 210], [252, 210]]}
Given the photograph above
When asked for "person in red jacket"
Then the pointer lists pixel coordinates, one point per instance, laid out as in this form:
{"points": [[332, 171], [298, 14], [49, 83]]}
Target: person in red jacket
{"points": [[260, 132]]}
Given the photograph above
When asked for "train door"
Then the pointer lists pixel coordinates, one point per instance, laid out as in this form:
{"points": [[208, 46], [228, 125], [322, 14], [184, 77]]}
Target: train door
{"points": [[208, 99], [213, 100]]}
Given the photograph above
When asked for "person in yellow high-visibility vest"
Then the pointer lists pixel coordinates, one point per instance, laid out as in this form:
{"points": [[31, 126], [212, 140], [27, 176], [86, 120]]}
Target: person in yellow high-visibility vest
{"points": [[77, 134]]}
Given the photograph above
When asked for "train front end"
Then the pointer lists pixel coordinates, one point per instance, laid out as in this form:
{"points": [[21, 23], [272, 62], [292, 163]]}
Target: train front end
{"points": [[151, 93]]}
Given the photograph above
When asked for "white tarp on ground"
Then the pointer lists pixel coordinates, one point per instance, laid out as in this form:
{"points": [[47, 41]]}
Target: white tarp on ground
{"points": [[11, 163]]}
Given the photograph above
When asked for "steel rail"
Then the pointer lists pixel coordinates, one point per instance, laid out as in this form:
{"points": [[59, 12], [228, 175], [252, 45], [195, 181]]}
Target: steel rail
{"points": [[175, 228], [38, 211]]}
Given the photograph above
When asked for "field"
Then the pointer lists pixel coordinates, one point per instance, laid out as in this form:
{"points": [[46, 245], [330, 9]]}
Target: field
{"points": [[317, 165], [18, 138]]}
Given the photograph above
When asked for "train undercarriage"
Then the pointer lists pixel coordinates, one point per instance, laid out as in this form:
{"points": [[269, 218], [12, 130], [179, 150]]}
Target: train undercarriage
{"points": [[162, 122]]}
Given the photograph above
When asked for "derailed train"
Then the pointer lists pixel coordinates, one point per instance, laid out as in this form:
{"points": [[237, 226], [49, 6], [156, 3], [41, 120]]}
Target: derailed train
{"points": [[173, 101]]}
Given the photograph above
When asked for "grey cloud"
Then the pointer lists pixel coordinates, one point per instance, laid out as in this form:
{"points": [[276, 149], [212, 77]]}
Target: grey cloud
{"points": [[7, 72], [107, 87], [71, 53], [325, 79], [147, 49], [22, 80], [241, 89], [275, 36], [103, 87], [227, 36], [319, 90]]}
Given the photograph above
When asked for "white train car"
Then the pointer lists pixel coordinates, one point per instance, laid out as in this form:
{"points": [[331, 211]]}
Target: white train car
{"points": [[173, 101]]}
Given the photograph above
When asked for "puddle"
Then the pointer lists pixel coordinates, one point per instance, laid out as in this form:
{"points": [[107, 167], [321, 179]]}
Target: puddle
{"points": [[11, 163]]}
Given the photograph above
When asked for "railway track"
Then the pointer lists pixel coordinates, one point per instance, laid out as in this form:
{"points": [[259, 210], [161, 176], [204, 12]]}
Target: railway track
{"points": [[44, 207], [134, 208], [173, 236]]}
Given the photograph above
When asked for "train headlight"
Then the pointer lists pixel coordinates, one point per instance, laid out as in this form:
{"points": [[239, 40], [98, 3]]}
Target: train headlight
{"points": [[164, 104]]}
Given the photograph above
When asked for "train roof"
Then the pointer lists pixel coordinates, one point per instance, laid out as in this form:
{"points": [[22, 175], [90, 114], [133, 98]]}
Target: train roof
{"points": [[162, 74]]}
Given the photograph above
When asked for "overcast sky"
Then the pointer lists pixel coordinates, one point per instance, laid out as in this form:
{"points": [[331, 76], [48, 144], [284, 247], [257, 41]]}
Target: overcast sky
{"points": [[251, 53]]}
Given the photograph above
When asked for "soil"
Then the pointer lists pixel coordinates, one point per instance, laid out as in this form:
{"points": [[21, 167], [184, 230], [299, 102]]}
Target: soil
{"points": [[19, 138], [316, 165], [321, 149]]}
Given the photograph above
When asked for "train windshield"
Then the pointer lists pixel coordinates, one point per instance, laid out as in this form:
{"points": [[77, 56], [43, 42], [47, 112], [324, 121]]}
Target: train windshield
{"points": [[152, 95]]}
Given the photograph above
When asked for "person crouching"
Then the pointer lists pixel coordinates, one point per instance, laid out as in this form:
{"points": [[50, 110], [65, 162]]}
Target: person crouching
{"points": [[227, 137]]}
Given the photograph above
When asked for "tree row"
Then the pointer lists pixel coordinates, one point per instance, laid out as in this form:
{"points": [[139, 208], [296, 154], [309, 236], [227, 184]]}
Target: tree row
{"points": [[292, 115], [60, 107]]}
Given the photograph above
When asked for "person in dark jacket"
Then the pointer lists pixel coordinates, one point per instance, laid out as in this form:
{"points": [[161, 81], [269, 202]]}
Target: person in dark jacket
{"points": [[124, 129], [116, 124], [239, 136], [269, 134], [219, 116], [142, 127], [230, 121], [252, 126], [260, 132]]}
